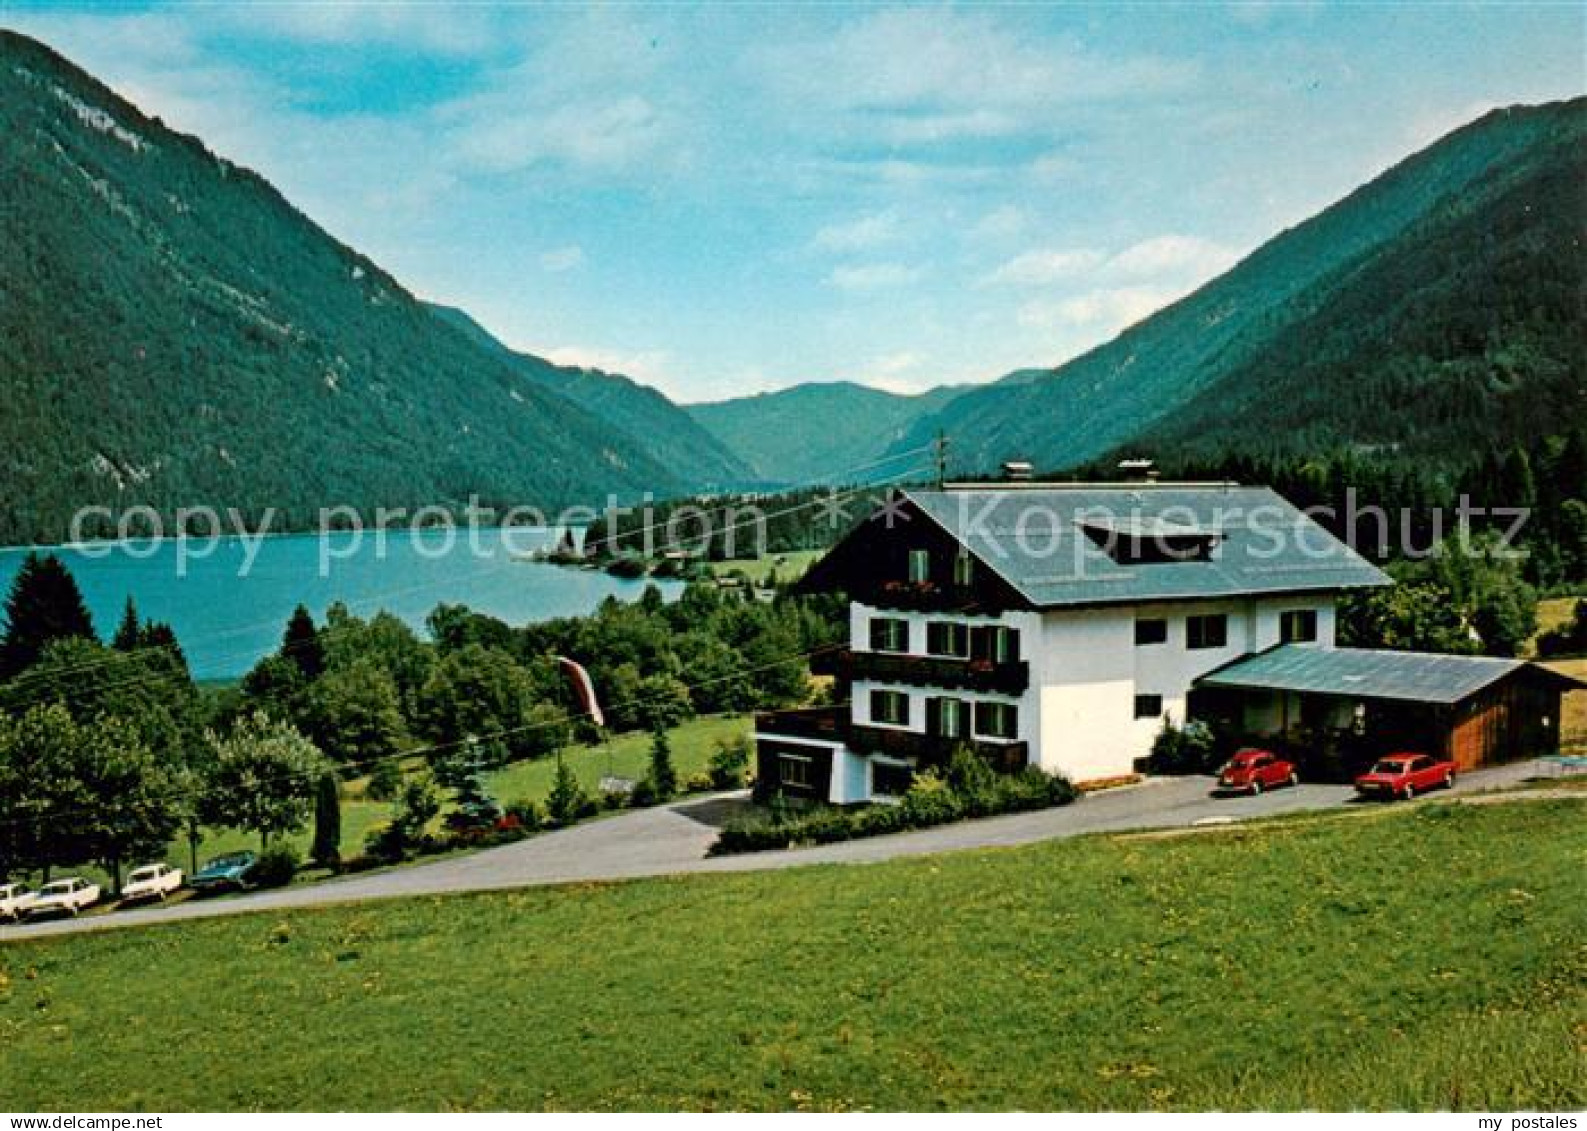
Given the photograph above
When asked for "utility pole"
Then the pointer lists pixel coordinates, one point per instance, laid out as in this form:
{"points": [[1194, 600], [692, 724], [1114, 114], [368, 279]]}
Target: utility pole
{"points": [[941, 447]]}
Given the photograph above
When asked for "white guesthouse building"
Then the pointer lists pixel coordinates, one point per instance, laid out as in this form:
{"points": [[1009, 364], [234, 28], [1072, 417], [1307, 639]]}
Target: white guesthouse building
{"points": [[1048, 625]]}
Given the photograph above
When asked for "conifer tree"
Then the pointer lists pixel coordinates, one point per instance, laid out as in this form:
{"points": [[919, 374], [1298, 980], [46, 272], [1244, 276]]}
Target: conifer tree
{"points": [[663, 775], [301, 644], [44, 605]]}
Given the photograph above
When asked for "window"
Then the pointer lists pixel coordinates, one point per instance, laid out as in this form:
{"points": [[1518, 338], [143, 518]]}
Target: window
{"points": [[793, 769], [919, 566], [891, 707], [996, 643], [1148, 706], [889, 635], [890, 779], [963, 569], [948, 718], [1151, 630], [1207, 632], [996, 720], [944, 638], [1298, 626]]}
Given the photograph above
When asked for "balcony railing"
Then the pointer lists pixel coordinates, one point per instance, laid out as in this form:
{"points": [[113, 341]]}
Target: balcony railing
{"points": [[831, 724], [828, 724], [927, 750], [1006, 677], [929, 597]]}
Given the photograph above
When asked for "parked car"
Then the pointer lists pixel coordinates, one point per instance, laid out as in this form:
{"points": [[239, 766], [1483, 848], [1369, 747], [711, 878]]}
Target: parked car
{"points": [[228, 872], [14, 900], [1405, 775], [152, 881], [63, 897], [1254, 770]]}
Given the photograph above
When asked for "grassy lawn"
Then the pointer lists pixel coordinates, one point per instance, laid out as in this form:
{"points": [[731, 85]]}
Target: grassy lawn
{"points": [[626, 756], [1407, 957], [789, 565], [1551, 613]]}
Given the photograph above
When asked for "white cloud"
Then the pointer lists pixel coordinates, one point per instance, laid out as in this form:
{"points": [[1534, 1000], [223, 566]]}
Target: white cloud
{"points": [[858, 235], [1104, 311], [873, 276], [642, 365], [1172, 255], [919, 76], [1038, 268], [434, 29], [1051, 168], [1001, 223], [1161, 260], [502, 133], [562, 259], [898, 372]]}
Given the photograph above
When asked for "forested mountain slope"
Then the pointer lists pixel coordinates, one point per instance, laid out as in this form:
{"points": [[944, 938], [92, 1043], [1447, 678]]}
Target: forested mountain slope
{"points": [[176, 333], [819, 432], [1449, 289]]}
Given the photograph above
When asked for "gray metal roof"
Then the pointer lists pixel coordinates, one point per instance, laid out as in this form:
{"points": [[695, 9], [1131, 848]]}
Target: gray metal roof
{"points": [[1362, 673], [1032, 536]]}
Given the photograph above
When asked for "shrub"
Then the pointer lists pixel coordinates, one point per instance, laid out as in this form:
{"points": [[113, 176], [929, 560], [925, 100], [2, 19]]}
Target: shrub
{"points": [[276, 866], [614, 799], [567, 801], [730, 761], [526, 813], [1190, 749], [386, 843], [699, 783], [663, 776], [384, 781], [931, 800], [643, 795]]}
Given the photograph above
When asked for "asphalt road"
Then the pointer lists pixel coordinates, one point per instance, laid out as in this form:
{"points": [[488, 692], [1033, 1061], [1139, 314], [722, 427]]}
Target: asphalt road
{"points": [[673, 839]]}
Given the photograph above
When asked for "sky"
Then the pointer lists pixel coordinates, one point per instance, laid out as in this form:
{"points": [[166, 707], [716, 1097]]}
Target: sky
{"points": [[729, 199]]}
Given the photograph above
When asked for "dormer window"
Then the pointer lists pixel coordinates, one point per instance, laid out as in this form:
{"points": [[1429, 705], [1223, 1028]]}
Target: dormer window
{"points": [[919, 567], [1136, 540]]}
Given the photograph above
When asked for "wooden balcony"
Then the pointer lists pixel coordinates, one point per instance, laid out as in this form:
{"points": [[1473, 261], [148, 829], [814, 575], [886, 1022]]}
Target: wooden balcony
{"points": [[926, 750], [1008, 677], [825, 724], [930, 597], [831, 724]]}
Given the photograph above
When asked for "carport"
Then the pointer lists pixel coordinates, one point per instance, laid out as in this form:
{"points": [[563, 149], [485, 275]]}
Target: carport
{"points": [[1337, 709]]}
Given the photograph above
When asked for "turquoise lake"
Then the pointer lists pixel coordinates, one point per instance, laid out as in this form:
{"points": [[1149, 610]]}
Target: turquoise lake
{"points": [[228, 612]]}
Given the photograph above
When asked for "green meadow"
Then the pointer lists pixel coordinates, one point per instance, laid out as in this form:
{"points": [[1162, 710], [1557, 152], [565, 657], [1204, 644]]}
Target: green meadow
{"points": [[1423, 957]]}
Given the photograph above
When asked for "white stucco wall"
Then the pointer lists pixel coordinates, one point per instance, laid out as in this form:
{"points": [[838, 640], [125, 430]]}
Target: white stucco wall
{"points": [[1092, 670], [1079, 713]]}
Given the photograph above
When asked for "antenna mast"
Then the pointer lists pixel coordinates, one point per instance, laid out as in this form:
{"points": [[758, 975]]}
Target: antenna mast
{"points": [[941, 447]]}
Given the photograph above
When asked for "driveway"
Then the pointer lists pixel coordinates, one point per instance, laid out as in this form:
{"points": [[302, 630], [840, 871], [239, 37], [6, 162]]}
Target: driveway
{"points": [[673, 839]]}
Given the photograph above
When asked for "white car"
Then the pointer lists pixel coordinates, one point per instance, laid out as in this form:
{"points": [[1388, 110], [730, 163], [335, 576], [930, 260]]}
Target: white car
{"points": [[152, 881], [63, 897], [14, 900]]}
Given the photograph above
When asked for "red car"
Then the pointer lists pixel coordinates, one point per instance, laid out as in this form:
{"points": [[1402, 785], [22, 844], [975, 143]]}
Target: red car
{"points": [[1255, 770], [1405, 775]]}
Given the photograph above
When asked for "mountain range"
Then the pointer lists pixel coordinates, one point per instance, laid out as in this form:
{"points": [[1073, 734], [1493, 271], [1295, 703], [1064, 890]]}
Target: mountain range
{"points": [[175, 333], [1435, 313]]}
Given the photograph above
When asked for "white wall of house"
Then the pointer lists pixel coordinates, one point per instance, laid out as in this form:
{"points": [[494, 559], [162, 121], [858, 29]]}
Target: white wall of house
{"points": [[1091, 670], [1086, 670]]}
